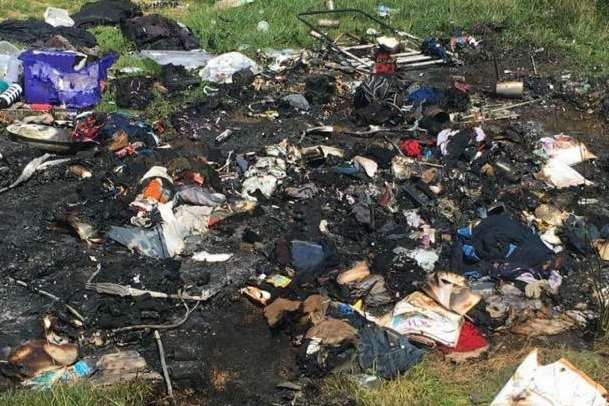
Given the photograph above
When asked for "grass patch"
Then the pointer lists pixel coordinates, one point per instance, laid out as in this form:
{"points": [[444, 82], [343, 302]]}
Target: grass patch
{"points": [[578, 28], [575, 27], [34, 8], [132, 394], [111, 39], [435, 381]]}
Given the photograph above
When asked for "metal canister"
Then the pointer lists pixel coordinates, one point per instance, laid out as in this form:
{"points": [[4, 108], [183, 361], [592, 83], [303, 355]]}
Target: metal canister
{"points": [[510, 88]]}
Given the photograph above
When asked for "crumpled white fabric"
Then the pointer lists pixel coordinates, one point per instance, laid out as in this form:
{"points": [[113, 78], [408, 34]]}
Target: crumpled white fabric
{"points": [[221, 68], [264, 175], [192, 219]]}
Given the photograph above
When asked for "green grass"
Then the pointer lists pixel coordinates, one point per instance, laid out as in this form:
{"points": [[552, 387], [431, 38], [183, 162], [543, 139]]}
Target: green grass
{"points": [[575, 27], [126, 394], [34, 8], [436, 382]]}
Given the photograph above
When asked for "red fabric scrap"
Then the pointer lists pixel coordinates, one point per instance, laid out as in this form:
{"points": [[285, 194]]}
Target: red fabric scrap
{"points": [[87, 129], [462, 87], [471, 339], [191, 177], [384, 64], [130, 149], [411, 148], [42, 107]]}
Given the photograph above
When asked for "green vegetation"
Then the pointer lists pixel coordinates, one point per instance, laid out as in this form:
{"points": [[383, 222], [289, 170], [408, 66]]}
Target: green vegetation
{"points": [[577, 28], [436, 382], [126, 394], [34, 8]]}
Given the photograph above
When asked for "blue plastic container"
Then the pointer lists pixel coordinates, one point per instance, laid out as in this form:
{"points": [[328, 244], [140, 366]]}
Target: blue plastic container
{"points": [[59, 77]]}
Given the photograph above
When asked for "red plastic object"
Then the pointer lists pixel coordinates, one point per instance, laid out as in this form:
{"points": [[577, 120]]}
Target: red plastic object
{"points": [[471, 339], [411, 148], [41, 107]]}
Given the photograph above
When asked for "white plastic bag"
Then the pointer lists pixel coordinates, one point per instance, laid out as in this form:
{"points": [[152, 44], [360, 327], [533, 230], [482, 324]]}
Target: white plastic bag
{"points": [[221, 68], [58, 17]]}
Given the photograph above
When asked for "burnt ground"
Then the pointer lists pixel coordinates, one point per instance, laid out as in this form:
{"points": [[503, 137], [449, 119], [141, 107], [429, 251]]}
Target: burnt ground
{"points": [[225, 353]]}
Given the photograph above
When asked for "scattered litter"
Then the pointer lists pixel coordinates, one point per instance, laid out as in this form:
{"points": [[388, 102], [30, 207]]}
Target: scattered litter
{"points": [[563, 152], [276, 310], [418, 314], [357, 273], [371, 214]]}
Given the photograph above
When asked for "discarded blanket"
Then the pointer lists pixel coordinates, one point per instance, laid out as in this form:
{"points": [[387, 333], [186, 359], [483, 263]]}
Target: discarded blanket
{"points": [[157, 32], [105, 12]]}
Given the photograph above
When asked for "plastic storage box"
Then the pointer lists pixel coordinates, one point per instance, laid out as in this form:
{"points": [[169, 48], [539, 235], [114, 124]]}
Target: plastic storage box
{"points": [[63, 77]]}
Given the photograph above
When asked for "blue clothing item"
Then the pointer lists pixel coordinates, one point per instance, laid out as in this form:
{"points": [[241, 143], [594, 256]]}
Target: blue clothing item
{"points": [[345, 309], [136, 129], [511, 249], [432, 47], [470, 252], [385, 352], [306, 255], [499, 238], [424, 95], [465, 232]]}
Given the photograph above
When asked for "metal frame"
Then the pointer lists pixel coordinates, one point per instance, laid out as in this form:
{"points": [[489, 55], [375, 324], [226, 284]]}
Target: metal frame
{"points": [[411, 58]]}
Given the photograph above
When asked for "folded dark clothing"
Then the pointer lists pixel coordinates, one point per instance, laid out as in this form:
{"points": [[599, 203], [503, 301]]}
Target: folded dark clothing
{"points": [[499, 238], [157, 32], [105, 12], [33, 32]]}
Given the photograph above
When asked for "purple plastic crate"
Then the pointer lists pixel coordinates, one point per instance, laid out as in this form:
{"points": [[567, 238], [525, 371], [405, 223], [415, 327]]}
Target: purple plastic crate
{"points": [[59, 77]]}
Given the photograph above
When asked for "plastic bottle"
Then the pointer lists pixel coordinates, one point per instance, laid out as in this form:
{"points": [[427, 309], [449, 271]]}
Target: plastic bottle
{"points": [[10, 95], [14, 71]]}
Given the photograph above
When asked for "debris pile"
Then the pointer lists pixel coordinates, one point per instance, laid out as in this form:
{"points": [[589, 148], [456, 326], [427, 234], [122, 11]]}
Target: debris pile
{"points": [[369, 214]]}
